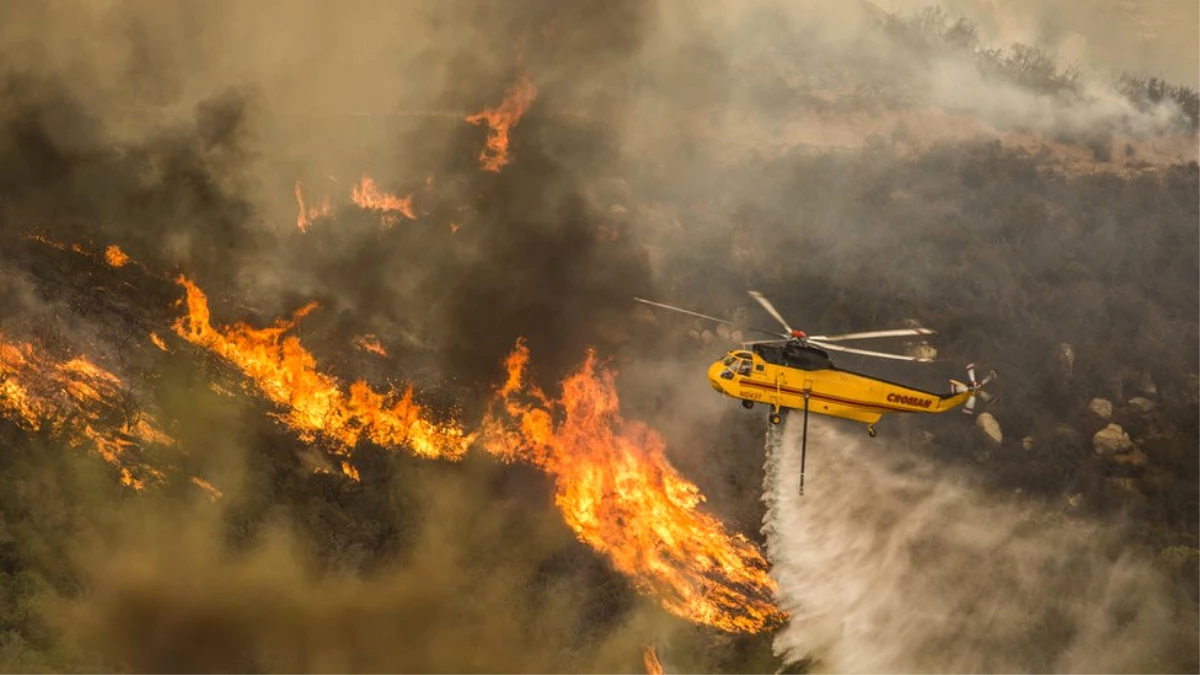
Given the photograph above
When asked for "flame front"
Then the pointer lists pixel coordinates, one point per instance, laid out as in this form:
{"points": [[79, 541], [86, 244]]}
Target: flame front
{"points": [[368, 195], [613, 483], [81, 400], [115, 257], [650, 659], [371, 344], [501, 121], [287, 374], [622, 497], [310, 213]]}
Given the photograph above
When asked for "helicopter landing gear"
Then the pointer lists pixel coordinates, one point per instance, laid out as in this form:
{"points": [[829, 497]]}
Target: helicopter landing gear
{"points": [[871, 430], [776, 418], [747, 404]]}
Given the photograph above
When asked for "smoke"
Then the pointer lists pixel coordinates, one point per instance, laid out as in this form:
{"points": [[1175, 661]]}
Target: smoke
{"points": [[173, 582], [890, 563], [812, 150]]}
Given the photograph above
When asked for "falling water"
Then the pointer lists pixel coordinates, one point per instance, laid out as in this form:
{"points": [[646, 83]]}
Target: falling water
{"points": [[889, 563]]}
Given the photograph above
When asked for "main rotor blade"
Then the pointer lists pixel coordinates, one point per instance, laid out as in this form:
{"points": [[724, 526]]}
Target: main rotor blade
{"points": [[683, 311], [770, 310], [899, 332], [867, 352], [703, 316]]}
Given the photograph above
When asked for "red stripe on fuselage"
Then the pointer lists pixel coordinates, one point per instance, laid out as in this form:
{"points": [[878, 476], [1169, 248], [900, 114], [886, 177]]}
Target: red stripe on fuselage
{"points": [[827, 397]]}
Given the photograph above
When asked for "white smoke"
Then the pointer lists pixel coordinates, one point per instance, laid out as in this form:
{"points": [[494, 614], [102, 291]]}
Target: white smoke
{"points": [[891, 564]]}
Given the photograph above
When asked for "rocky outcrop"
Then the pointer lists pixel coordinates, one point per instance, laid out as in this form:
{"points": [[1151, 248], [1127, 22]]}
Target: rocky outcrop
{"points": [[1135, 459], [1102, 407], [1140, 404], [1111, 440], [1066, 358], [923, 350], [990, 426]]}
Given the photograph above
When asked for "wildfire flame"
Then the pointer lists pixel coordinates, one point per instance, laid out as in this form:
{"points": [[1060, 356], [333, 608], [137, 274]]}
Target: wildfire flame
{"points": [[114, 256], [81, 400], [622, 497], [650, 659], [368, 196], [287, 374], [614, 485], [502, 120], [310, 213], [371, 344], [158, 342], [213, 493]]}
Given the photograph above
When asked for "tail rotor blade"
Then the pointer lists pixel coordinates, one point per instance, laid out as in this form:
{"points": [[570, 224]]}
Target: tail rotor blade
{"points": [[969, 408], [971, 373], [771, 310]]}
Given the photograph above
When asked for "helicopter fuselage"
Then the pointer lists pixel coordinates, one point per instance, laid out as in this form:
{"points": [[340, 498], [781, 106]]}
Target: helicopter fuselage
{"points": [[794, 376]]}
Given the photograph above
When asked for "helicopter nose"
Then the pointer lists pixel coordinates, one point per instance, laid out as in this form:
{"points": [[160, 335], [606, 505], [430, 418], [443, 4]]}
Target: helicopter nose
{"points": [[714, 375]]}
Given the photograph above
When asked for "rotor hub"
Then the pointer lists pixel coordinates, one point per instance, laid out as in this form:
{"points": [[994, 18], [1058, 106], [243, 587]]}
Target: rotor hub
{"points": [[799, 334]]}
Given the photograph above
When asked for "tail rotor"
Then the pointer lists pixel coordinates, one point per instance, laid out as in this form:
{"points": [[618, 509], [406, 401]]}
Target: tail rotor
{"points": [[975, 387]]}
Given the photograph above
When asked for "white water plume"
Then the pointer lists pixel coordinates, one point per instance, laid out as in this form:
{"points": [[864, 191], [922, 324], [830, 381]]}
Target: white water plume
{"points": [[891, 564]]}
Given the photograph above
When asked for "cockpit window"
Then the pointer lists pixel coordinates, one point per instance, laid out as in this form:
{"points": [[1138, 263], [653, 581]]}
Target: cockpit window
{"points": [[729, 360], [743, 368]]}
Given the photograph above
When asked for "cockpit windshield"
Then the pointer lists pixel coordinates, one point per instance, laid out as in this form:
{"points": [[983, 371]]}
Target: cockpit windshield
{"points": [[736, 365]]}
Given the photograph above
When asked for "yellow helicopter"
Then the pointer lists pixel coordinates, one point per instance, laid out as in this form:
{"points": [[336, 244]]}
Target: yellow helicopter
{"points": [[794, 371]]}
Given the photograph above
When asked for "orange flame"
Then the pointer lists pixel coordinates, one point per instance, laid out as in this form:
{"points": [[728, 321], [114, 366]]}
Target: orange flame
{"points": [[501, 121], [371, 344], [368, 196], [287, 374], [650, 659], [614, 485], [213, 493], [114, 256], [622, 497], [158, 342], [310, 213], [76, 397]]}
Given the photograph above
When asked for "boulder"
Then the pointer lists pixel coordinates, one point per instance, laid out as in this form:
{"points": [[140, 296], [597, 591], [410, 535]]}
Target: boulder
{"points": [[723, 332], [1102, 407], [643, 314], [1066, 357], [1147, 386], [924, 350], [1142, 405], [1111, 440], [1125, 484], [1136, 459], [990, 426], [707, 337], [737, 336], [694, 334]]}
